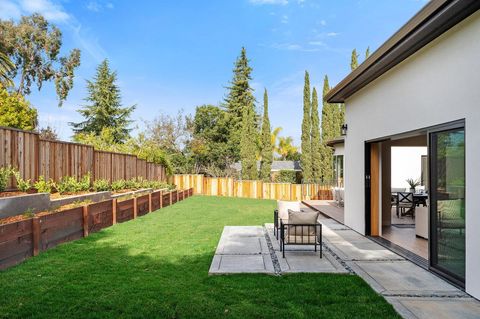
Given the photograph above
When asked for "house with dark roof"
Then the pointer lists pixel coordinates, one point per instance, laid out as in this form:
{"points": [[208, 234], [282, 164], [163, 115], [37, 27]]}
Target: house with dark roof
{"points": [[420, 88]]}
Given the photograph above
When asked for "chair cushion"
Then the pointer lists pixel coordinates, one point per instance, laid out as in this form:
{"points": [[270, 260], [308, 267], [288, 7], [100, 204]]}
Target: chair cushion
{"points": [[284, 206], [302, 218]]}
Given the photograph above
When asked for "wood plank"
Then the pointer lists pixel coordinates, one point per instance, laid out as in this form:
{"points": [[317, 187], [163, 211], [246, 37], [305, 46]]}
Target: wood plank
{"points": [[375, 189]]}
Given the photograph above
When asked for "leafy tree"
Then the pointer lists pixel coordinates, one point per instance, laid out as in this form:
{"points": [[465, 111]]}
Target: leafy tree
{"points": [[248, 143], [171, 132], [286, 149], [6, 66], [48, 133], [16, 112], [316, 140], [240, 96], [354, 60], [266, 143], [306, 157], [209, 144], [33, 44], [105, 107]]}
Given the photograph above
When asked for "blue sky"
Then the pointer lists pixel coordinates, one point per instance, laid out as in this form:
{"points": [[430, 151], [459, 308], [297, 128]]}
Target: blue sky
{"points": [[173, 55]]}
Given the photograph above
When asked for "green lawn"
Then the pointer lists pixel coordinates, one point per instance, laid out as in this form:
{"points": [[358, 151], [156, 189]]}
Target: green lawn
{"points": [[157, 267]]}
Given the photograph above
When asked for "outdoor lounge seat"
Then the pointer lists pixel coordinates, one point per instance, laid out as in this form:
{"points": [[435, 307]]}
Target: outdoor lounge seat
{"points": [[302, 228], [281, 213]]}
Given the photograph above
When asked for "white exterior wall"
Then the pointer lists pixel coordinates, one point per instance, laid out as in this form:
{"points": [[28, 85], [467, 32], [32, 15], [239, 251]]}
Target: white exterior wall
{"points": [[438, 84]]}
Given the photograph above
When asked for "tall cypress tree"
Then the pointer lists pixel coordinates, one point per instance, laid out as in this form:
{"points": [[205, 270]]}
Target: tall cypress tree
{"points": [[330, 114], [266, 142], [354, 60], [248, 144], [240, 95], [316, 140], [105, 109], [306, 156], [367, 53]]}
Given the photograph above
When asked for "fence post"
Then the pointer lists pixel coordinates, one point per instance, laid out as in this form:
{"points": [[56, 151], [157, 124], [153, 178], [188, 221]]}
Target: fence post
{"points": [[85, 220], [161, 199], [134, 207], [114, 211], [36, 235], [149, 202]]}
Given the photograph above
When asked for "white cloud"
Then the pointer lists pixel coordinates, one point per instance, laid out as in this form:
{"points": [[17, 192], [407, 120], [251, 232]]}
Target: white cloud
{"points": [[51, 11], [9, 10], [94, 6], [262, 2], [317, 43], [293, 47], [284, 19], [332, 34], [322, 22]]}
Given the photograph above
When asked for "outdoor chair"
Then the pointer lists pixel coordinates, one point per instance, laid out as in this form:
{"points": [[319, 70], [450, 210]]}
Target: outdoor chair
{"points": [[405, 204], [301, 229], [281, 213]]}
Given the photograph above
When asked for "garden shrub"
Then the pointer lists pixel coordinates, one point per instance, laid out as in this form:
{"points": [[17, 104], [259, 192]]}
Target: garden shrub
{"points": [[44, 186], [285, 176], [67, 184], [23, 185], [118, 185], [101, 185], [84, 184], [5, 173]]}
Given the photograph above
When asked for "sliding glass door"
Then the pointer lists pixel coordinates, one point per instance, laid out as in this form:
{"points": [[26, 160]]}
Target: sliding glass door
{"points": [[447, 214]]}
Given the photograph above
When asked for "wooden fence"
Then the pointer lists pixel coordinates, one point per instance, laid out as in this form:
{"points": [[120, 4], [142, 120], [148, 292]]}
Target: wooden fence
{"points": [[227, 186], [26, 238], [35, 157]]}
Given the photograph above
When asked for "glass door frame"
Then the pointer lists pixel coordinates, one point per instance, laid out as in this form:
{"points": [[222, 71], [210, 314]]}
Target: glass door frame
{"points": [[453, 126]]}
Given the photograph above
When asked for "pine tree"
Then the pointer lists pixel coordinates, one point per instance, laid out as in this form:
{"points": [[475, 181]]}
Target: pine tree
{"points": [[248, 143], [306, 156], [316, 140], [105, 107], [354, 60], [266, 142], [367, 53], [239, 96]]}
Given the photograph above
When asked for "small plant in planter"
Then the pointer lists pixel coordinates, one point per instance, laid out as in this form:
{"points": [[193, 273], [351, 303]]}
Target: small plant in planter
{"points": [[44, 186], [413, 183], [118, 185], [5, 173], [67, 184], [23, 185], [101, 185], [84, 184]]}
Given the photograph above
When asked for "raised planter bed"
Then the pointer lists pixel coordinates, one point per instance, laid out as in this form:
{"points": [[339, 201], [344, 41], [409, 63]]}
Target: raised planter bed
{"points": [[27, 236], [93, 197], [17, 205]]}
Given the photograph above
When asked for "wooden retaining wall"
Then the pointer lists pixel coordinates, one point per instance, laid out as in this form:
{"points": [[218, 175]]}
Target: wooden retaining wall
{"points": [[34, 157], [26, 238], [227, 186]]}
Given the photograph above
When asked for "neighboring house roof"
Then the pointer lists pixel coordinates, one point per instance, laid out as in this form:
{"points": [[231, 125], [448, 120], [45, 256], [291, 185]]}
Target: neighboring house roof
{"points": [[276, 166], [430, 22], [336, 141]]}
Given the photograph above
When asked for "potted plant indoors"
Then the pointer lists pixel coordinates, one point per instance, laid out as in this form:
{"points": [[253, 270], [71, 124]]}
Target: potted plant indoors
{"points": [[413, 184]]}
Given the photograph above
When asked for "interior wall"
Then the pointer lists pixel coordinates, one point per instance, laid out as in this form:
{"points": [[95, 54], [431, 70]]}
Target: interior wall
{"points": [[406, 163]]}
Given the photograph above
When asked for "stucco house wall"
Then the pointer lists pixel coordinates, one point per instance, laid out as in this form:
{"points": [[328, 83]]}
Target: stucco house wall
{"points": [[438, 84]]}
